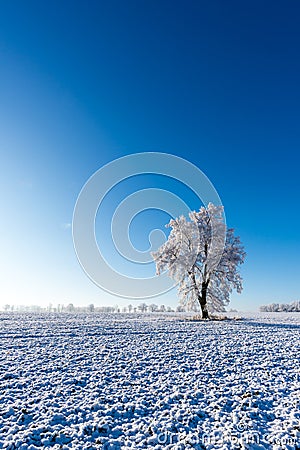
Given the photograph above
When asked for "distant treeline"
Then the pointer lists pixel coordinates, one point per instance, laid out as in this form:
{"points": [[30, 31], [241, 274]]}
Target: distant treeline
{"points": [[281, 307], [91, 308]]}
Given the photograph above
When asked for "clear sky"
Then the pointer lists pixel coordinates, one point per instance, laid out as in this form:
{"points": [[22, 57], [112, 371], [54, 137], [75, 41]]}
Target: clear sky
{"points": [[83, 83]]}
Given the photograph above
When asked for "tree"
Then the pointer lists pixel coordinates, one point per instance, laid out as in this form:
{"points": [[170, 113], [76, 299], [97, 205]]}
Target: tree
{"points": [[152, 308], [142, 307], [180, 308], [203, 256], [286, 307], [70, 308], [91, 308]]}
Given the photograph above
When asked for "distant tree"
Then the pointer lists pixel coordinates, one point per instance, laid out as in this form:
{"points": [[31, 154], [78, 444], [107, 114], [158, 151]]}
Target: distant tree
{"points": [[283, 307], [152, 308], [70, 308], [295, 306], [130, 307], [106, 309], [180, 308], [162, 308], [91, 308], [203, 256], [142, 307]]}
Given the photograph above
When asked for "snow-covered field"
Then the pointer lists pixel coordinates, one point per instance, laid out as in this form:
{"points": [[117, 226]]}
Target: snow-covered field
{"points": [[149, 381]]}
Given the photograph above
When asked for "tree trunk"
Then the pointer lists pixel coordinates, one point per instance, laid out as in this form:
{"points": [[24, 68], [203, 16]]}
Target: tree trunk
{"points": [[202, 300], [200, 295]]}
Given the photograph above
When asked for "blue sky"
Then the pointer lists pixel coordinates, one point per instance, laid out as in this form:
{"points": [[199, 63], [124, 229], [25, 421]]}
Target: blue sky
{"points": [[83, 83]]}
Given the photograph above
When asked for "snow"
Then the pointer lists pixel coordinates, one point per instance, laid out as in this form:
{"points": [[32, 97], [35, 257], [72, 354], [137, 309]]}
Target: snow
{"points": [[149, 381]]}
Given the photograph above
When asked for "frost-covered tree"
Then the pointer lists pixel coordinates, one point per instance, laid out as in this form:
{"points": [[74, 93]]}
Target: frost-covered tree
{"points": [[70, 308], [203, 256], [91, 308], [283, 307], [142, 307], [153, 307]]}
